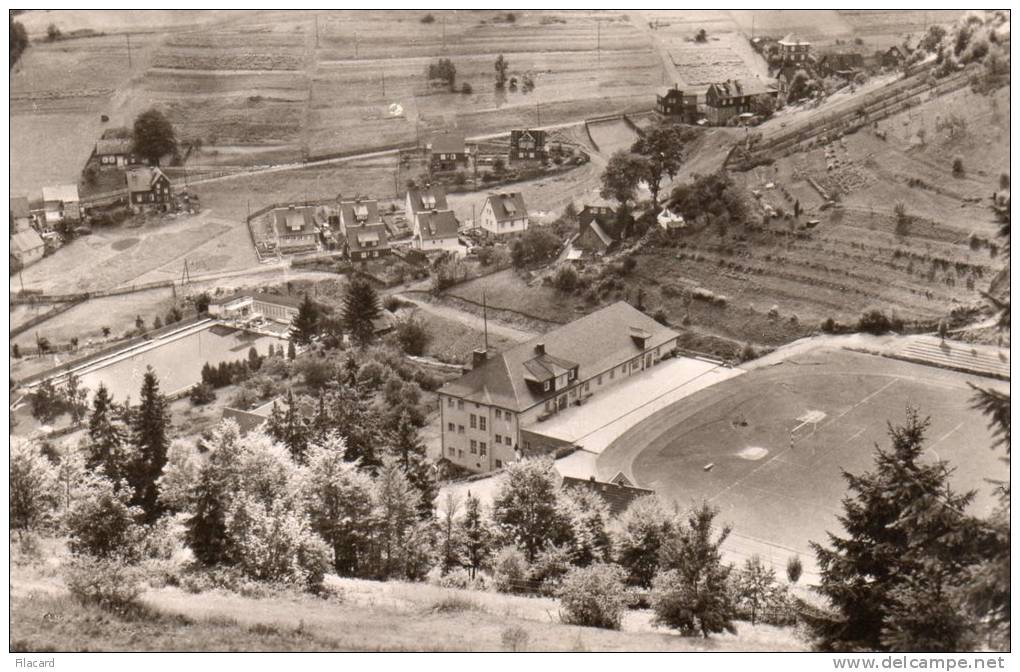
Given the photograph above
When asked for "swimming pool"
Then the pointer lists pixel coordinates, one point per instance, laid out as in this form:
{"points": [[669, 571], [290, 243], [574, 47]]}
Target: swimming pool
{"points": [[178, 361]]}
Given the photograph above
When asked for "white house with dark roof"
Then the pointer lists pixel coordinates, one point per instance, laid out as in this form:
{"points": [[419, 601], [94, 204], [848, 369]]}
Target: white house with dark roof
{"points": [[61, 202], [493, 414], [295, 229], [436, 231], [504, 215], [27, 247]]}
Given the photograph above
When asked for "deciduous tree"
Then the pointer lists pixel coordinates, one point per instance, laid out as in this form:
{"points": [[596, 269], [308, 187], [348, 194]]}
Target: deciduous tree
{"points": [[153, 136]]}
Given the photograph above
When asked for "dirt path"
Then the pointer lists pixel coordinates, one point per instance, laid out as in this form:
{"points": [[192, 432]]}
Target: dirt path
{"points": [[469, 319]]}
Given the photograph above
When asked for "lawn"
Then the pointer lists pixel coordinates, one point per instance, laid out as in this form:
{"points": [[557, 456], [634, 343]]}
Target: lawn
{"points": [[778, 439]]}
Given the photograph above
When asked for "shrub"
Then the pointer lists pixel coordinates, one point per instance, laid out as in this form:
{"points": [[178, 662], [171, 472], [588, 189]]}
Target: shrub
{"points": [[202, 394], [109, 583], [565, 279], [629, 264], [515, 639], [510, 571], [748, 353], [958, 166], [876, 322], [794, 568], [412, 335], [466, 89], [661, 317], [774, 313], [1004, 181], [829, 326], [101, 524], [594, 596], [428, 18]]}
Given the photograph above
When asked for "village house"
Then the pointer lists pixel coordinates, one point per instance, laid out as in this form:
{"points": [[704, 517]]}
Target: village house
{"points": [[149, 187], [673, 103], [793, 50], [366, 235], [527, 145], [891, 57], [504, 215], [27, 247], [597, 229], [115, 153], [670, 221], [61, 202], [436, 231], [295, 230], [429, 199], [618, 494], [725, 100], [491, 415], [447, 151], [21, 214]]}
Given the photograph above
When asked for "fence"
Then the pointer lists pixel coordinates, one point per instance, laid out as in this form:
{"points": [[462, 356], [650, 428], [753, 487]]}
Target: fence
{"points": [[39, 319]]}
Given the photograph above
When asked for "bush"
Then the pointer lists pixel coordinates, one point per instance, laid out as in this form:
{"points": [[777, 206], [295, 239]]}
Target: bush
{"points": [[829, 326], [794, 568], [101, 524], [748, 353], [565, 279], [594, 596], [466, 89], [109, 583], [202, 394], [428, 18], [629, 264], [661, 317], [510, 571], [958, 166], [515, 639], [412, 335], [876, 322]]}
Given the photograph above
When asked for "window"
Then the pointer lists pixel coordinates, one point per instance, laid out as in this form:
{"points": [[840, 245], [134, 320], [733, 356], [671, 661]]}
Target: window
{"points": [[460, 429], [612, 374], [474, 447], [586, 387], [499, 464], [481, 448], [499, 414], [527, 445], [449, 402], [499, 438], [481, 422], [474, 421], [451, 427], [549, 405], [452, 451], [573, 392], [460, 453], [571, 374], [546, 386], [599, 380], [460, 404]]}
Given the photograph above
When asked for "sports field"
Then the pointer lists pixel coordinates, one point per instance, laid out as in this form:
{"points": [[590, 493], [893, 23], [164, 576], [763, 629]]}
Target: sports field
{"points": [[778, 438]]}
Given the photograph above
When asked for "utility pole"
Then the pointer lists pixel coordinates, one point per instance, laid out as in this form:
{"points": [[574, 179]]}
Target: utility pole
{"points": [[127, 37], [538, 115], [316, 31], [598, 40]]}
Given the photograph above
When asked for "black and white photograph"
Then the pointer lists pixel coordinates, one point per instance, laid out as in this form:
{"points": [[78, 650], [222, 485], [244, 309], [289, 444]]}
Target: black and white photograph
{"points": [[524, 330]]}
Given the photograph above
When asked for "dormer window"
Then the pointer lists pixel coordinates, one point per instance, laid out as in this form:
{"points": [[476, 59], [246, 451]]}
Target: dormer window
{"points": [[547, 385], [572, 375]]}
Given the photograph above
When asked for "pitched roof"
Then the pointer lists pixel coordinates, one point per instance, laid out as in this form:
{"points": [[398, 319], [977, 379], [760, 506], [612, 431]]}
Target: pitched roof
{"points": [[359, 212], [508, 206], [740, 87], [142, 179], [113, 146], [617, 497], [358, 237], [602, 219], [285, 300], [23, 241], [603, 236], [447, 143], [438, 225], [20, 208], [432, 198], [294, 222], [66, 193], [594, 343]]}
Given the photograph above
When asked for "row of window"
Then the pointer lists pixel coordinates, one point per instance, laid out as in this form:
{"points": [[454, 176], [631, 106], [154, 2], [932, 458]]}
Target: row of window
{"points": [[478, 422], [459, 453], [500, 413]]}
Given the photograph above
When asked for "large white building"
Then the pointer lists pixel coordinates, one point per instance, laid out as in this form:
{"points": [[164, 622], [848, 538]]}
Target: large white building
{"points": [[433, 224], [493, 414]]}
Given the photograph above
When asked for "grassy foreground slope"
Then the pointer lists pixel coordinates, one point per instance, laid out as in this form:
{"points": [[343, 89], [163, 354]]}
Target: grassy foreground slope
{"points": [[358, 616]]}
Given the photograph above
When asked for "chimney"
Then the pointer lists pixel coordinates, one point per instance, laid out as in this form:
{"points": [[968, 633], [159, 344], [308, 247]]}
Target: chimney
{"points": [[478, 357], [540, 348], [591, 478]]}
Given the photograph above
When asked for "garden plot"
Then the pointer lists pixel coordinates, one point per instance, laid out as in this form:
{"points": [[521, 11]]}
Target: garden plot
{"points": [[700, 65]]}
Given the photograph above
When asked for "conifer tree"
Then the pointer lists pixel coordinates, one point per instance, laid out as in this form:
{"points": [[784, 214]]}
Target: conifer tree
{"points": [[291, 350], [905, 528], [151, 422], [306, 323], [106, 438], [361, 309], [217, 483], [410, 454]]}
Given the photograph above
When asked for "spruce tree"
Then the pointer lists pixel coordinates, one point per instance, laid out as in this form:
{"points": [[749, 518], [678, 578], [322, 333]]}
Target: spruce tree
{"points": [[361, 309], [410, 454], [106, 438], [291, 350], [151, 422], [210, 498], [295, 432], [475, 536], [449, 534], [306, 323], [905, 527]]}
